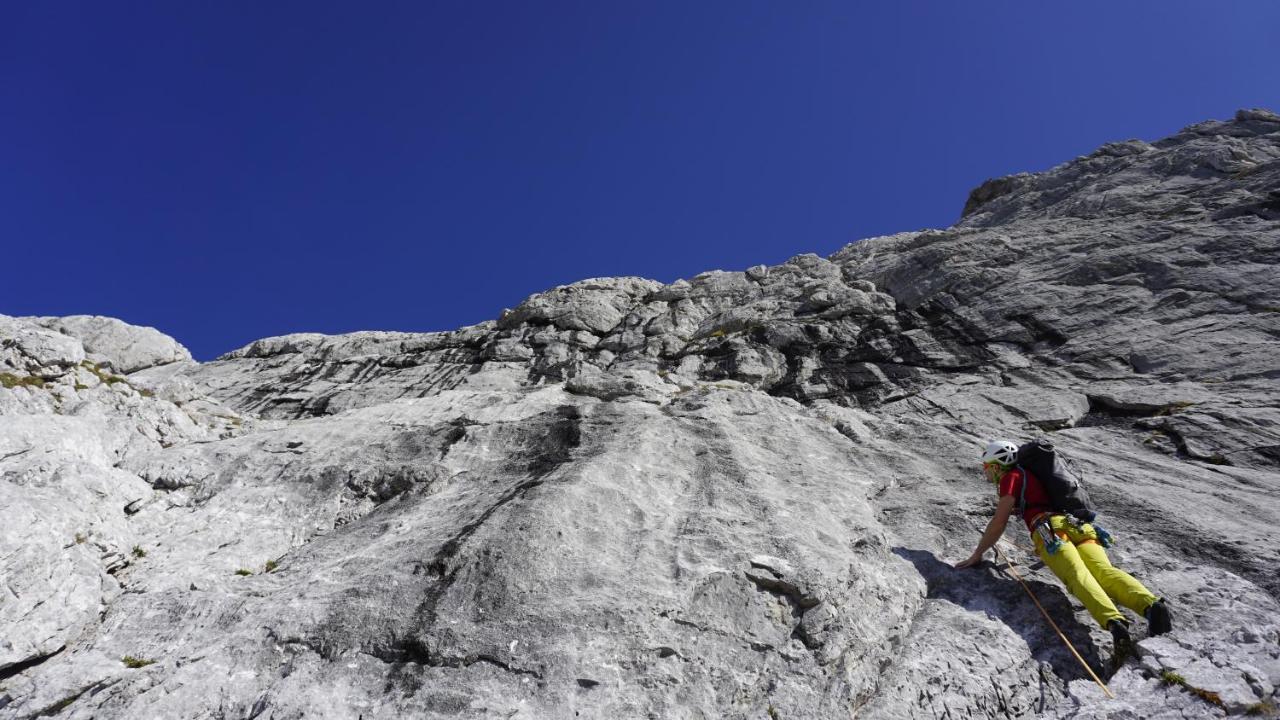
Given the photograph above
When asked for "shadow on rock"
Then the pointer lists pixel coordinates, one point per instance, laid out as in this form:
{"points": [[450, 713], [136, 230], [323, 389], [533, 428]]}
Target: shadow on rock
{"points": [[989, 589]]}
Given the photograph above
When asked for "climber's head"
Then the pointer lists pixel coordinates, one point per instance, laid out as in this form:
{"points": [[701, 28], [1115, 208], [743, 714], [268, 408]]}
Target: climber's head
{"points": [[999, 456]]}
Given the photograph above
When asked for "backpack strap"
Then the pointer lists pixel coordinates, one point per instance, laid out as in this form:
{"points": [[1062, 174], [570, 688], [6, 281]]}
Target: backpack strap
{"points": [[1022, 493]]}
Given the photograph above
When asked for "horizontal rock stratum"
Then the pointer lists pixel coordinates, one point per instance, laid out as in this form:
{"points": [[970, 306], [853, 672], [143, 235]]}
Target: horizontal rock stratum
{"points": [[733, 496]]}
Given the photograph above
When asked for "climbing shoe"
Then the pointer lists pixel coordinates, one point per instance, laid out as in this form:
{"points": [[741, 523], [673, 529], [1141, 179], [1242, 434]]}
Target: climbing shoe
{"points": [[1122, 643], [1158, 620]]}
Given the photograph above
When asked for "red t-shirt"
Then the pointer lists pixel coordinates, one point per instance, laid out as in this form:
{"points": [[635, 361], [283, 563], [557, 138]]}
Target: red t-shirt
{"points": [[1037, 499]]}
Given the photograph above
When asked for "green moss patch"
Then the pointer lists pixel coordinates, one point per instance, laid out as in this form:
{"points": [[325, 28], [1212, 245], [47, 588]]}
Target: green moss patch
{"points": [[1169, 677], [9, 380], [103, 375], [1266, 708]]}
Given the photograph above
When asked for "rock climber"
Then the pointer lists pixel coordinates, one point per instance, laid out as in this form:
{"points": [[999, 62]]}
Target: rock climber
{"points": [[1079, 560]]}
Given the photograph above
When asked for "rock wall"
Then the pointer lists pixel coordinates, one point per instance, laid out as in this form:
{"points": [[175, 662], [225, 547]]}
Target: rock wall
{"points": [[734, 496]]}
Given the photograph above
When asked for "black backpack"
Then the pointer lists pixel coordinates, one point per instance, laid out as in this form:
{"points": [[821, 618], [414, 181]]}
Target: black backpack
{"points": [[1065, 490]]}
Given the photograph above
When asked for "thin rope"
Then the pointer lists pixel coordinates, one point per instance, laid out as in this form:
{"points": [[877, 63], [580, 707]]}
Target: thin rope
{"points": [[1044, 612]]}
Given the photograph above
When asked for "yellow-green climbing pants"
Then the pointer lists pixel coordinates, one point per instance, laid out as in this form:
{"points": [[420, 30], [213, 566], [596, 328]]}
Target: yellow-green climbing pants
{"points": [[1082, 565]]}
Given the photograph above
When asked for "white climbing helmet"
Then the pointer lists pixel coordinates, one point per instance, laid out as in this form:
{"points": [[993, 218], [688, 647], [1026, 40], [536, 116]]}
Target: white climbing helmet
{"points": [[1000, 451]]}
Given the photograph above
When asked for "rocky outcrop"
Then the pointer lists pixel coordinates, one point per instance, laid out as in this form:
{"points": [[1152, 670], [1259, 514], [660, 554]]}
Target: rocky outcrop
{"points": [[67, 423], [737, 495], [117, 345]]}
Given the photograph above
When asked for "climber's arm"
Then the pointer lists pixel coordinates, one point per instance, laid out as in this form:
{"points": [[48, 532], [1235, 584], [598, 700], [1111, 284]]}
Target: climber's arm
{"points": [[995, 529]]}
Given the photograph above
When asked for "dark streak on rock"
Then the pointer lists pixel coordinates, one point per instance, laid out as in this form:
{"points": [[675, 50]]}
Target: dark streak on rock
{"points": [[548, 452], [22, 666], [414, 651]]}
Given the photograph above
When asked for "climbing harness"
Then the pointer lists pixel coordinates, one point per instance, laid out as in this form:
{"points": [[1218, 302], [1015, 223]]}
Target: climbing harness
{"points": [[1009, 563], [1042, 525]]}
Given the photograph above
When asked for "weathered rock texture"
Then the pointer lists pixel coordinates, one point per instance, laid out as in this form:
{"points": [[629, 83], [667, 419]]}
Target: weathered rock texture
{"points": [[736, 496]]}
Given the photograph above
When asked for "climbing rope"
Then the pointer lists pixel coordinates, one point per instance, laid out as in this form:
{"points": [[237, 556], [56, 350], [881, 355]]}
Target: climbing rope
{"points": [[1036, 600]]}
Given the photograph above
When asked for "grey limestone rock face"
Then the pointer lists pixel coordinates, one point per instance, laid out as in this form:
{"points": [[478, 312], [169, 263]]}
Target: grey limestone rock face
{"points": [[734, 496], [117, 345]]}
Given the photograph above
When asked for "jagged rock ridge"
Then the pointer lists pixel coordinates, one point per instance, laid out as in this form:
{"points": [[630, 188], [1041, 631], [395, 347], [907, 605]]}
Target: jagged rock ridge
{"points": [[732, 496]]}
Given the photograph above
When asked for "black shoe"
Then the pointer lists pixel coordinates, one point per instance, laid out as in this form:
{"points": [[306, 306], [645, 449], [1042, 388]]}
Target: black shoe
{"points": [[1122, 643], [1158, 620]]}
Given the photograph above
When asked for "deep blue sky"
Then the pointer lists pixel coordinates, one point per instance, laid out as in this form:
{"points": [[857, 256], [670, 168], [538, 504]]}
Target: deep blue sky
{"points": [[230, 170]]}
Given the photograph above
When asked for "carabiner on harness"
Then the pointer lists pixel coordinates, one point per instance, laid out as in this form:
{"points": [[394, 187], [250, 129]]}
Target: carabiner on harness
{"points": [[1052, 543]]}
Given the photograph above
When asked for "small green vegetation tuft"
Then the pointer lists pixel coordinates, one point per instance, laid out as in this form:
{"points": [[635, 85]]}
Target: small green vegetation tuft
{"points": [[58, 706], [81, 386], [1266, 708], [244, 571], [272, 565], [1169, 677], [103, 375], [80, 538], [1212, 698], [134, 663], [109, 379], [9, 380], [1174, 407], [138, 552]]}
